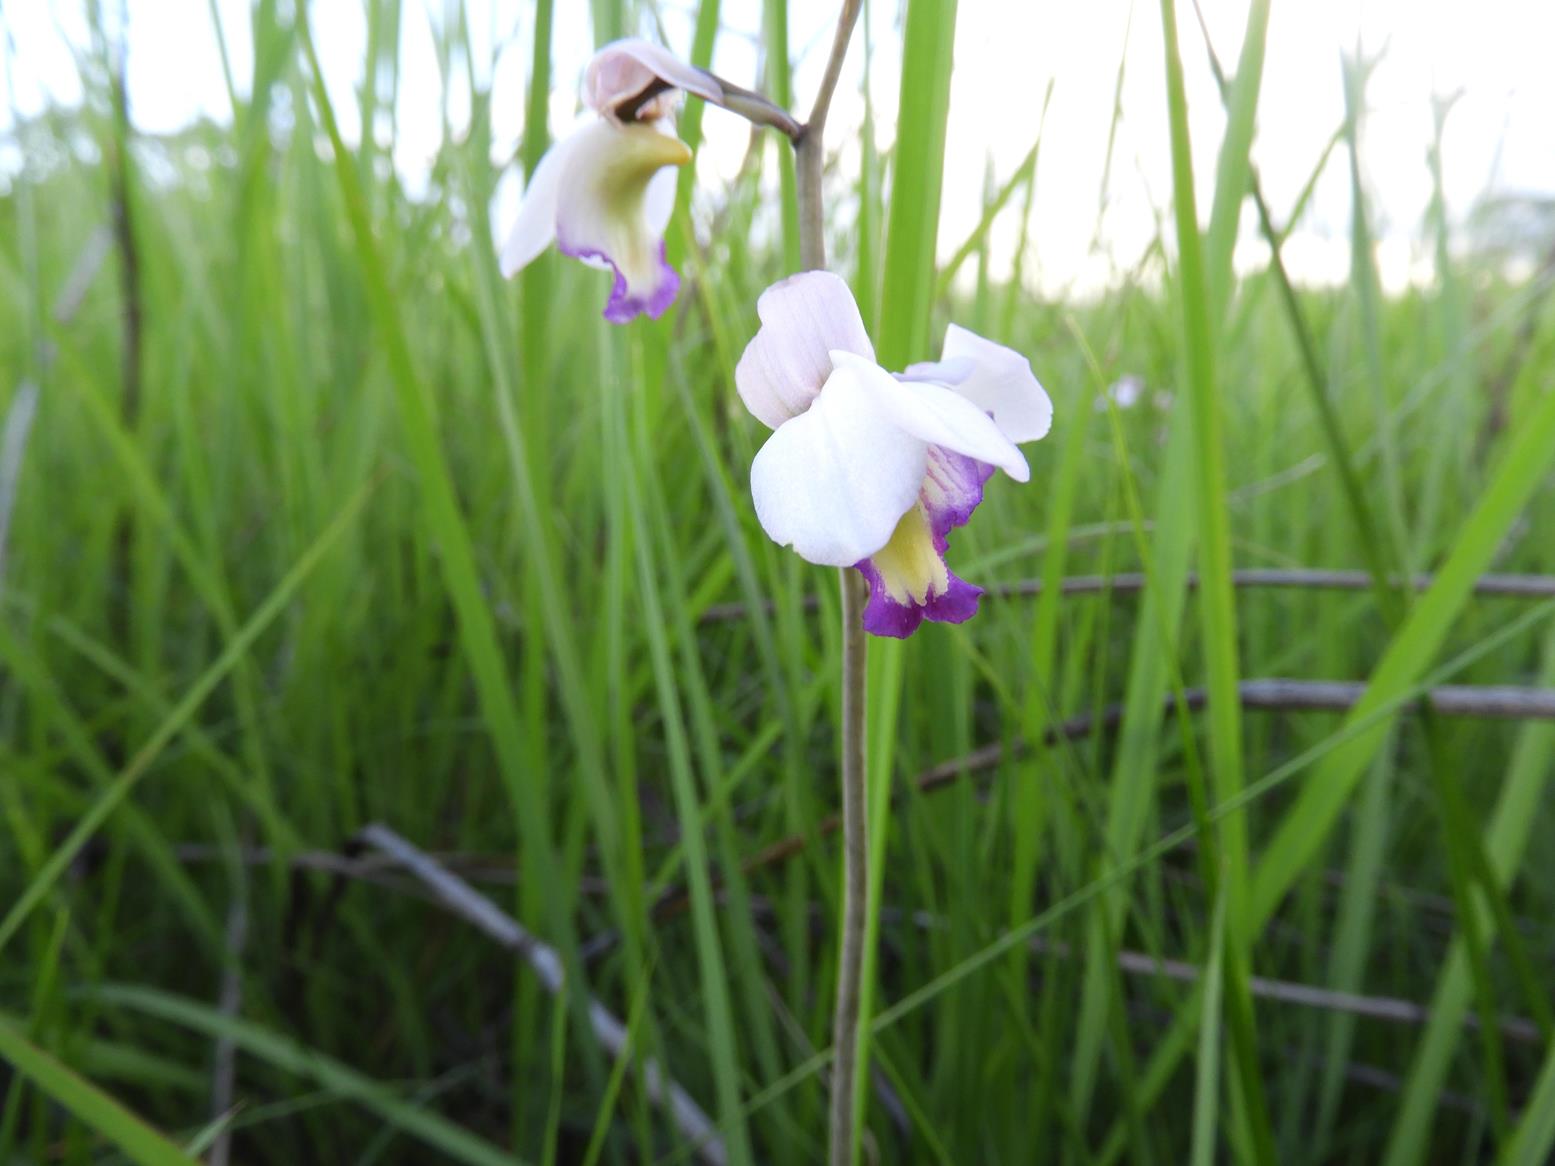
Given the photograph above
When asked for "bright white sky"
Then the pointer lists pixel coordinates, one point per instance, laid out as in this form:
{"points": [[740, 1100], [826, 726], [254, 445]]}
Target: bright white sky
{"points": [[1500, 136]]}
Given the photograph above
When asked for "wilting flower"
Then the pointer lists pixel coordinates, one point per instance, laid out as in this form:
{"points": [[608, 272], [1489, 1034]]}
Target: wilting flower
{"points": [[604, 193], [873, 470]]}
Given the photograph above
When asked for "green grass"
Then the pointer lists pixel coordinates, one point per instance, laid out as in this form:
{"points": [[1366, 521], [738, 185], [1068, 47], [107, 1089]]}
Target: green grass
{"points": [[391, 539]]}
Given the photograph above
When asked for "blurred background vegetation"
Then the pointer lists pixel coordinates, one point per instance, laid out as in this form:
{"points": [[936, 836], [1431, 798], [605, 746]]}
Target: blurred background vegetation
{"points": [[315, 522]]}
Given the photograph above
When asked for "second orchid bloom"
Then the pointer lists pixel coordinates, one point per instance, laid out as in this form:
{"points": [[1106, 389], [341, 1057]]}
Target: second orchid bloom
{"points": [[871, 469], [604, 193]]}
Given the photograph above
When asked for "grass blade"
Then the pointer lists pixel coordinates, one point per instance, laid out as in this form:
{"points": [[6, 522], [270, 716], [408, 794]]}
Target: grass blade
{"points": [[456, 1144], [177, 718], [1206, 1088], [115, 1124], [1200, 294], [1527, 458]]}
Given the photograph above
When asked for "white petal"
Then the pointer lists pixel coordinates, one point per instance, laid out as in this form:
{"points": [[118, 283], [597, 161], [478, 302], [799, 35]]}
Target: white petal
{"points": [[623, 69], [944, 372], [1001, 383], [803, 319], [660, 201], [834, 482], [535, 227], [936, 414]]}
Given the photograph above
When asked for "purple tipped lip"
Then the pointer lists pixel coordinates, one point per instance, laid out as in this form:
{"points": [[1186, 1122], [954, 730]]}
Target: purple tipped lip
{"points": [[960, 482], [623, 306], [884, 616]]}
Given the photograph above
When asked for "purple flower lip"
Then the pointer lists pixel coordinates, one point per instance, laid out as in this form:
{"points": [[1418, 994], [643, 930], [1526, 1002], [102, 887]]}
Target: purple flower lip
{"points": [[952, 490], [625, 305], [884, 616]]}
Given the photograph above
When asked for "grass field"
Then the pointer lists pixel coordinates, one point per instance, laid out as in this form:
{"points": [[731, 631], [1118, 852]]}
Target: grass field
{"points": [[320, 523]]}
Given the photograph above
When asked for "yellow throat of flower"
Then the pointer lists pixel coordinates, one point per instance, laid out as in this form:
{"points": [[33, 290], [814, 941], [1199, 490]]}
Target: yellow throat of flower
{"points": [[910, 568], [642, 151], [639, 153]]}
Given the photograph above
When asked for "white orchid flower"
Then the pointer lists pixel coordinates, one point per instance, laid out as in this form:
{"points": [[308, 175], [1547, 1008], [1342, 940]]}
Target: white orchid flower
{"points": [[870, 470], [605, 192]]}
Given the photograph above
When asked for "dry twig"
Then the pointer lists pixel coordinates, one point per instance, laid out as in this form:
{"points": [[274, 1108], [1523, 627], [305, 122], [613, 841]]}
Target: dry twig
{"points": [[474, 908]]}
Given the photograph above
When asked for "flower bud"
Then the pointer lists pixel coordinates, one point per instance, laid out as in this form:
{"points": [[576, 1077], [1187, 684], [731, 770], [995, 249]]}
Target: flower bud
{"points": [[637, 80]]}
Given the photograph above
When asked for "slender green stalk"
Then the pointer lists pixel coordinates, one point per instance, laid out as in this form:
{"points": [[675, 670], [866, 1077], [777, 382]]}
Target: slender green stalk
{"points": [[779, 72], [117, 1125], [111, 797], [855, 869], [809, 160], [1207, 1083], [453, 1143], [1204, 283]]}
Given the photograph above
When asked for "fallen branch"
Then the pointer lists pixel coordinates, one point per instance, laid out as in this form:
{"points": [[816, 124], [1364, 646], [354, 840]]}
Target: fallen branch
{"points": [[1494, 702], [1393, 1009], [1138, 963], [474, 908], [1390, 1008]]}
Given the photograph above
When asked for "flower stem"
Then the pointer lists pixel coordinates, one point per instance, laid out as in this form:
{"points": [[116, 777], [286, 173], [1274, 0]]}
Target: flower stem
{"points": [[808, 165], [855, 873], [808, 159]]}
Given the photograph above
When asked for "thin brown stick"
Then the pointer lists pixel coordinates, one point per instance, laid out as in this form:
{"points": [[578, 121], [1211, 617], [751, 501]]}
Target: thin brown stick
{"points": [[759, 111], [1128, 583], [808, 165], [1492, 702], [809, 158], [123, 219], [839, 51], [474, 908], [1392, 1009], [1389, 1008], [122, 214]]}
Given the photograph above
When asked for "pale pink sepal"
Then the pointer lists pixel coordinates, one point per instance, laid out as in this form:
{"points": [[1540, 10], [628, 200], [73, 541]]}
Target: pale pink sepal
{"points": [[804, 318], [1000, 382]]}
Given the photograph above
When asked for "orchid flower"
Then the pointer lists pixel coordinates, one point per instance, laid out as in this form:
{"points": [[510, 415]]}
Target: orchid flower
{"points": [[873, 470], [604, 193]]}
